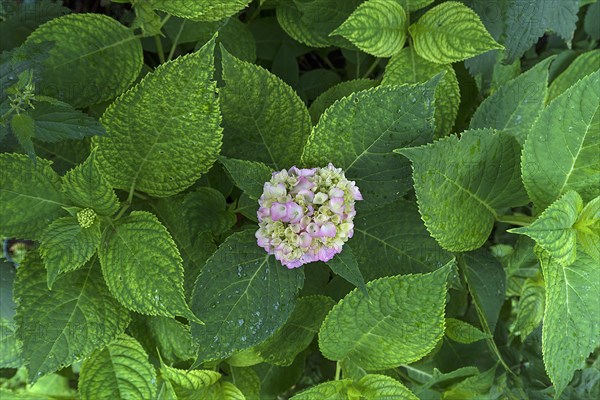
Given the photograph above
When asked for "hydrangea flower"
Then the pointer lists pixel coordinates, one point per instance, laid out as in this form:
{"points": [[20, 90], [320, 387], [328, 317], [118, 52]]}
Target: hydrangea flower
{"points": [[306, 215]]}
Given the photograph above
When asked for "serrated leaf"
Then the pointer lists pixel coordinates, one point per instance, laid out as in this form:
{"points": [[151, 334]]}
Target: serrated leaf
{"points": [[267, 121], [247, 381], [275, 379], [463, 332], [164, 132], [334, 93], [359, 132], [205, 211], [297, 333], [531, 308], [94, 58], [588, 229], [554, 229], [377, 27], [344, 264], [451, 32], [249, 176], [60, 121], [332, 390], [408, 67], [400, 322], [187, 383], [480, 178], [142, 266], [380, 387], [473, 387], [243, 295], [515, 106], [63, 325], [66, 246], [119, 371], [23, 127], [561, 151], [201, 10], [30, 196], [571, 329], [221, 391], [10, 346], [584, 65], [167, 336]]}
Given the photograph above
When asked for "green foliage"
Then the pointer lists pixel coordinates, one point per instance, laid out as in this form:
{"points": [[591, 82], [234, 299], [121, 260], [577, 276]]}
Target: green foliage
{"points": [[531, 307], [463, 332], [248, 175], [203, 10], [345, 265], [581, 67], [334, 93]]}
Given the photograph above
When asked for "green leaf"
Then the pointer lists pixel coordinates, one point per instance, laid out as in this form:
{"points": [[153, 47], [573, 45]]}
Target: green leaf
{"points": [[297, 333], [201, 10], [63, 325], [186, 384], [473, 387], [332, 390], [531, 308], [165, 336], [584, 65], [408, 67], [571, 329], [463, 332], [515, 106], [30, 196], [220, 391], [561, 151], [23, 127], [381, 387], [249, 176], [451, 32], [247, 381], [10, 347], [60, 121], [94, 58], [164, 132], [66, 246], [399, 323], [266, 121], [275, 380], [121, 370], [480, 178], [334, 93], [414, 5], [243, 295], [377, 27], [589, 24], [588, 229], [359, 132], [205, 211], [344, 264], [142, 266], [554, 229]]}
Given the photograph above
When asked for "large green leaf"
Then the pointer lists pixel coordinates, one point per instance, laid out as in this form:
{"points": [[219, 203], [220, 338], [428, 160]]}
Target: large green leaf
{"points": [[93, 58], [30, 196], [189, 384], [459, 196], [380, 387], [142, 266], [473, 387], [263, 118], [377, 27], [205, 211], [164, 132], [531, 308], [581, 67], [400, 322], [65, 324], [59, 121], [359, 132], [515, 106], [332, 390], [243, 295], [571, 329], [561, 151], [119, 371], [249, 176], [345, 265], [408, 67], [588, 229], [451, 32], [334, 93], [201, 10], [164, 336]]}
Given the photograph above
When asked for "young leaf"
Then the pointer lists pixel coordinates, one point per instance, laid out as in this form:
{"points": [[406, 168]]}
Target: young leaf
{"points": [[531, 308], [383, 387], [399, 323], [186, 382], [408, 67], [30, 196], [164, 132], [65, 324], [60, 121], [219, 391], [23, 127], [377, 27], [571, 329], [263, 118], [121, 369], [581, 67], [359, 132], [463, 332], [334, 93], [66, 246], [249, 176], [554, 229], [247, 381], [473, 387], [451, 32], [201, 10], [167, 336], [344, 264], [142, 266], [480, 178], [561, 151], [205, 211], [243, 295], [94, 58], [588, 229], [326, 391]]}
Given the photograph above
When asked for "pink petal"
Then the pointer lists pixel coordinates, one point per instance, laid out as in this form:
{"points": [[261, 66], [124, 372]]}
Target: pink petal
{"points": [[328, 230], [294, 212], [278, 212]]}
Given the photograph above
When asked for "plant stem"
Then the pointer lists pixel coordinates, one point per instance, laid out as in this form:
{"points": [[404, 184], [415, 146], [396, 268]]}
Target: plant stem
{"points": [[127, 203], [338, 371], [519, 220], [159, 49], [174, 46], [371, 68]]}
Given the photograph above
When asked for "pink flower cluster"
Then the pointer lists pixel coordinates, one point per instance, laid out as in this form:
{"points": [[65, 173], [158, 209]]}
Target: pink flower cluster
{"points": [[306, 215]]}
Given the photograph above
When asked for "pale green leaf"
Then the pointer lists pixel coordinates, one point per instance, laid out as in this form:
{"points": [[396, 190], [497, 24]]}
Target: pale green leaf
{"points": [[588, 229], [459, 196], [399, 323], [76, 317], [142, 266], [245, 358], [332, 390], [186, 382], [163, 133], [531, 308], [382, 387], [582, 66], [571, 329], [359, 132], [167, 336], [201, 10], [554, 229], [408, 67], [264, 123], [249, 176], [451, 32], [463, 332], [334, 93], [205, 211], [119, 371], [377, 27], [59, 121], [243, 295], [561, 151], [220, 391], [344, 264], [66, 246], [473, 387], [247, 381], [30, 196], [93, 58]]}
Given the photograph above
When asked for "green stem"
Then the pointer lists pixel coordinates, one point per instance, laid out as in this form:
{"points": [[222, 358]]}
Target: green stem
{"points": [[338, 371], [175, 41], [372, 68], [127, 203], [159, 49], [519, 220]]}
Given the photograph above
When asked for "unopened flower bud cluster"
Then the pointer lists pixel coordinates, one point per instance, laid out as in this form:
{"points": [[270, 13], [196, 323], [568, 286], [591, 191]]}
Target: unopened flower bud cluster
{"points": [[306, 215]]}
